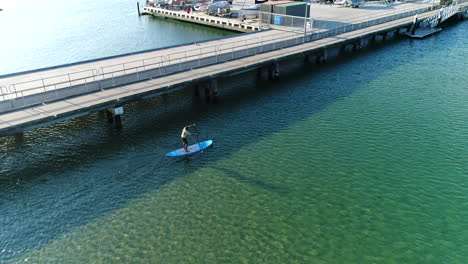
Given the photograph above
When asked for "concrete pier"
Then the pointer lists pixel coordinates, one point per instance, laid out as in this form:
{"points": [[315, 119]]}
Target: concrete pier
{"points": [[112, 83], [203, 19]]}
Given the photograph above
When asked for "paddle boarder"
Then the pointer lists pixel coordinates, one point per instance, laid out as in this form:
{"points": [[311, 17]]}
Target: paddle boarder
{"points": [[185, 134]]}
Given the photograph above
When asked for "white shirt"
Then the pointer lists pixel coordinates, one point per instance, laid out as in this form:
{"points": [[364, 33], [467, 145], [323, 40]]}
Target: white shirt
{"points": [[185, 133]]}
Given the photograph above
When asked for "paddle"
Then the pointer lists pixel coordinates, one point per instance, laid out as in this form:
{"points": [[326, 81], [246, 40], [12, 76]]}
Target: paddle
{"points": [[198, 141]]}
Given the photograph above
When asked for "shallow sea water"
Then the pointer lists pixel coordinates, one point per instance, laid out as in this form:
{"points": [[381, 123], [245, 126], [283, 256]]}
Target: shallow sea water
{"points": [[361, 160]]}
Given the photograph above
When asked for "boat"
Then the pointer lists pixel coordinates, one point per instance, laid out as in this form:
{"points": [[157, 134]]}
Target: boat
{"points": [[218, 8], [349, 3], [249, 12]]}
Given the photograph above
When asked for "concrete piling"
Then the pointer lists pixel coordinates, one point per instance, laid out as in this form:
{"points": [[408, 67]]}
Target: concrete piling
{"points": [[114, 116], [260, 72], [277, 70], [321, 57], [270, 72], [379, 38], [402, 30], [389, 35], [356, 45], [317, 58], [19, 138], [207, 92], [117, 122], [196, 90], [342, 49], [214, 90], [109, 116], [273, 71]]}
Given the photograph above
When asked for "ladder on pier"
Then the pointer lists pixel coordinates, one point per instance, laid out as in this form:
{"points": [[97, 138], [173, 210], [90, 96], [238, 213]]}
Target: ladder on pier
{"points": [[429, 26]]}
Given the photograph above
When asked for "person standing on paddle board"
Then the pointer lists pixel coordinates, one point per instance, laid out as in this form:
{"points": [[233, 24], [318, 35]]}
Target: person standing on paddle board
{"points": [[185, 134]]}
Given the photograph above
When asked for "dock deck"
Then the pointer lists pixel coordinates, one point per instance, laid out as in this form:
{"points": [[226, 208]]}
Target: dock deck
{"points": [[203, 19], [421, 33]]}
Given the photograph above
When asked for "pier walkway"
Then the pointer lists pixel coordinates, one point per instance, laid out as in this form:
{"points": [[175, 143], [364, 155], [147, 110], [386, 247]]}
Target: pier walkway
{"points": [[103, 87], [83, 77]]}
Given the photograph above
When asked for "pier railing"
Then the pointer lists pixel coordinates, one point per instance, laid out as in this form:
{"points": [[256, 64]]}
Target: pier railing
{"points": [[48, 89], [299, 24]]}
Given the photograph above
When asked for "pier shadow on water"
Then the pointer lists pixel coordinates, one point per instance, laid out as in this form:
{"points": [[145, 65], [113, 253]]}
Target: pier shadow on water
{"points": [[63, 176]]}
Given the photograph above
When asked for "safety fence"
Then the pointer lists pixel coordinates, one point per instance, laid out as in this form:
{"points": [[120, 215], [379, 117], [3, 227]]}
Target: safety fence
{"points": [[301, 24]]}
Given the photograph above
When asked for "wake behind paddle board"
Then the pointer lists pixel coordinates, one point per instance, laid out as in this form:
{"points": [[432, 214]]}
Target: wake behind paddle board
{"points": [[191, 149]]}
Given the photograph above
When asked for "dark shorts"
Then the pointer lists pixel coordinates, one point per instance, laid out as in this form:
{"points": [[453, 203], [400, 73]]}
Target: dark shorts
{"points": [[185, 140]]}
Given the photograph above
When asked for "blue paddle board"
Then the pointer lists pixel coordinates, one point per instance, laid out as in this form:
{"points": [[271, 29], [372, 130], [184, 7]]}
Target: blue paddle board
{"points": [[191, 149]]}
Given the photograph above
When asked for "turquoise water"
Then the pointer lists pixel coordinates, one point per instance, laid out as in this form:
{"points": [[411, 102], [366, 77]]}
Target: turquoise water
{"points": [[361, 160]]}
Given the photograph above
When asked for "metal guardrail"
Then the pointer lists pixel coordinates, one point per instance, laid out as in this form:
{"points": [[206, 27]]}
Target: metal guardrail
{"points": [[3, 91], [298, 22], [67, 80], [220, 52], [376, 21], [444, 14]]}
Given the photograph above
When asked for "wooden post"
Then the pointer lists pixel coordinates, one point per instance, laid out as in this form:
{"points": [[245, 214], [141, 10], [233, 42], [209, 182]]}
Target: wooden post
{"points": [[138, 7]]}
